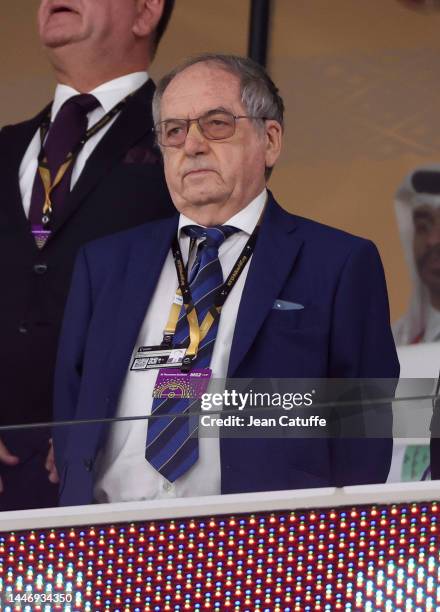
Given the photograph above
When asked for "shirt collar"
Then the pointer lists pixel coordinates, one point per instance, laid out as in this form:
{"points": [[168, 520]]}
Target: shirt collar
{"points": [[245, 220], [108, 94]]}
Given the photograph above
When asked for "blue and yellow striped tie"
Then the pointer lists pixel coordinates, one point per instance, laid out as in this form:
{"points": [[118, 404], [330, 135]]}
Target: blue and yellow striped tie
{"points": [[172, 445]]}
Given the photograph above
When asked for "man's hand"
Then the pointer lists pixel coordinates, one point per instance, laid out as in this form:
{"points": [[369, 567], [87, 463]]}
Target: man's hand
{"points": [[50, 465], [7, 459]]}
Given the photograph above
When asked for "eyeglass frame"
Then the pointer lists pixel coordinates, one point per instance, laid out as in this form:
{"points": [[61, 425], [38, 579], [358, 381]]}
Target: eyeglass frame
{"points": [[188, 123]]}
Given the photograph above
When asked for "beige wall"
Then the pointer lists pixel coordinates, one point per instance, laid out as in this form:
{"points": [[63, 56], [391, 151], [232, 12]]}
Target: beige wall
{"points": [[360, 82]]}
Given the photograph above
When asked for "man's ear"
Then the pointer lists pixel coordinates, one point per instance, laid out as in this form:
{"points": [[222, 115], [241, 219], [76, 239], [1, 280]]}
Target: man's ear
{"points": [[149, 13], [274, 139]]}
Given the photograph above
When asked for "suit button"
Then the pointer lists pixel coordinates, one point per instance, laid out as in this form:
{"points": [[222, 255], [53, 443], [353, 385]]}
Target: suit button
{"points": [[23, 328], [40, 268], [88, 464]]}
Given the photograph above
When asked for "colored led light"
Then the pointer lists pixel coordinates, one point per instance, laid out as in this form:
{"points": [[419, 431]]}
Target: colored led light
{"points": [[360, 558]]}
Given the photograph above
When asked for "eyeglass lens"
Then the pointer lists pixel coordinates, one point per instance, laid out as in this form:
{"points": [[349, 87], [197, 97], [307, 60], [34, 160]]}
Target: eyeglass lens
{"points": [[215, 126]]}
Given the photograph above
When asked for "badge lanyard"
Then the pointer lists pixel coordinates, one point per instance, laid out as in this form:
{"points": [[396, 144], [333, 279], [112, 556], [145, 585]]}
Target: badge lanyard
{"points": [[170, 328], [43, 167], [164, 355], [197, 332]]}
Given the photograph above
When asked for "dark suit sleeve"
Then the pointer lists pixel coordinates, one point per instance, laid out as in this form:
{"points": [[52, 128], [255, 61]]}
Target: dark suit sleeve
{"points": [[362, 347], [71, 351]]}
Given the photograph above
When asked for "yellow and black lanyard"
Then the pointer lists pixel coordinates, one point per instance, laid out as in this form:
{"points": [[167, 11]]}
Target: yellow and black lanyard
{"points": [[49, 182], [197, 332]]}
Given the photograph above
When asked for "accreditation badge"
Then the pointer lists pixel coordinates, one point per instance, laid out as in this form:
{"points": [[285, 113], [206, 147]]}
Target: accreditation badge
{"points": [[152, 357], [177, 384]]}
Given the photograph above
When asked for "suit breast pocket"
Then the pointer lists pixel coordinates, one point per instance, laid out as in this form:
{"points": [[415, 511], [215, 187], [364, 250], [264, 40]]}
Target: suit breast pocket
{"points": [[291, 347], [285, 319], [289, 316]]}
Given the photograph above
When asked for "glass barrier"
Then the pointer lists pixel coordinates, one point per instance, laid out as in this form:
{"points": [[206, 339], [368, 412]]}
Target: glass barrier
{"points": [[233, 436]]}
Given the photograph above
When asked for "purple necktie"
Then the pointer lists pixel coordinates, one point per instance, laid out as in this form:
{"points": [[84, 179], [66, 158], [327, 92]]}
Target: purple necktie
{"points": [[64, 137]]}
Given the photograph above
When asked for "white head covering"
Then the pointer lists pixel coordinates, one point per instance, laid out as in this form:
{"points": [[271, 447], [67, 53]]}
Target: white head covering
{"points": [[413, 324]]}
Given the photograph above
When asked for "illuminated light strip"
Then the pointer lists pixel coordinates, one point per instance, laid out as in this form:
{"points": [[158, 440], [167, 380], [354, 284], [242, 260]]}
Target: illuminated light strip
{"points": [[355, 558]]}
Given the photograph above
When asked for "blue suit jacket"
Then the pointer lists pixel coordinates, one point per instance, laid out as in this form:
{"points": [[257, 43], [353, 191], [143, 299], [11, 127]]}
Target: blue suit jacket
{"points": [[343, 331]]}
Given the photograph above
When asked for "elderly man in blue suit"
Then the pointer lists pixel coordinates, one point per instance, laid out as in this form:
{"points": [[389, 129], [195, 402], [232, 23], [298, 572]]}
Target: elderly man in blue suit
{"points": [[244, 290]]}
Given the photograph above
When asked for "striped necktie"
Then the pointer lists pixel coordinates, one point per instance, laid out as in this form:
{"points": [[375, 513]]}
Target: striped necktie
{"points": [[172, 446]]}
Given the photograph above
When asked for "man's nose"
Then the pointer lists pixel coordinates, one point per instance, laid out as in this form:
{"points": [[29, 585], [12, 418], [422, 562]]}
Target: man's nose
{"points": [[195, 143]]}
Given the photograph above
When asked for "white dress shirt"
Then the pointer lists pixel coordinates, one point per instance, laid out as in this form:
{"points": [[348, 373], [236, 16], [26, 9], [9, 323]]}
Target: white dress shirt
{"points": [[108, 95], [123, 472]]}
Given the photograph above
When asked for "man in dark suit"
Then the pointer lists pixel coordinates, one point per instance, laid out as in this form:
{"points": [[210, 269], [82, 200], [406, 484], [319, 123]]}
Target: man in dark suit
{"points": [[302, 300], [100, 51]]}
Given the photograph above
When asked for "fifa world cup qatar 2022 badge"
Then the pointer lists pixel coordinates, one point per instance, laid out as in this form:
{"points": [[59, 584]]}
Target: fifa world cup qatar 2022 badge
{"points": [[173, 383], [174, 380]]}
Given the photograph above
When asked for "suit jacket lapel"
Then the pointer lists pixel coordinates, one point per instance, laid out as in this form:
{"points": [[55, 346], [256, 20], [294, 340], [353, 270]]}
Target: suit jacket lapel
{"points": [[272, 261], [132, 124], [143, 270]]}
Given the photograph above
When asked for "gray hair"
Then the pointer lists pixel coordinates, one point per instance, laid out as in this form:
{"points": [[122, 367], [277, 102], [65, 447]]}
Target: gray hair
{"points": [[259, 94]]}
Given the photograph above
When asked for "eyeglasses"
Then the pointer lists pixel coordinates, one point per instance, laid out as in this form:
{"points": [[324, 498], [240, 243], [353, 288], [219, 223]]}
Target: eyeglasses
{"points": [[214, 125]]}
